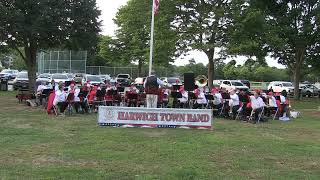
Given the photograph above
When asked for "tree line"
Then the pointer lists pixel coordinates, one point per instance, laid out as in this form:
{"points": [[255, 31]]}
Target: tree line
{"points": [[286, 30]]}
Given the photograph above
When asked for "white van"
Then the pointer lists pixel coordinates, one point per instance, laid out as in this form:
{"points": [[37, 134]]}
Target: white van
{"points": [[279, 86]]}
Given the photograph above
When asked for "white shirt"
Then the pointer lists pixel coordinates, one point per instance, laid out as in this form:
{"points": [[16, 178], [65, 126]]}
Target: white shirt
{"points": [[272, 102], [184, 98], [76, 94], [41, 88], [256, 103], [234, 100], [282, 99], [218, 99], [201, 98], [60, 97]]}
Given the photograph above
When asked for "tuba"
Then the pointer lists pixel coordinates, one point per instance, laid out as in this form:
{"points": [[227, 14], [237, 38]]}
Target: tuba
{"points": [[201, 81]]}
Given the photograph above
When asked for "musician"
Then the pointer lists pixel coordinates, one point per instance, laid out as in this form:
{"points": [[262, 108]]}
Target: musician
{"points": [[60, 98], [234, 103], [257, 105], [151, 86], [217, 101], [201, 99], [184, 99], [284, 103], [40, 89], [272, 104], [133, 91]]}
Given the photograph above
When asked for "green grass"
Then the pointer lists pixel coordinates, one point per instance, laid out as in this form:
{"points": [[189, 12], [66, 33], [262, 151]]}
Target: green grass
{"points": [[34, 145]]}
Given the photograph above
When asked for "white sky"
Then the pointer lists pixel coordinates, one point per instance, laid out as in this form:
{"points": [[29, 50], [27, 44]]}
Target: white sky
{"points": [[109, 9]]}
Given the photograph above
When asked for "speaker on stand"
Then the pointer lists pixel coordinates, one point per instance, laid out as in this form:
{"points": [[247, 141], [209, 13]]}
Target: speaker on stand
{"points": [[189, 86]]}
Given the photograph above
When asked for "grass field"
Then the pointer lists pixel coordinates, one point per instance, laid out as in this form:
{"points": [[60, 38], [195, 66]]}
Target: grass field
{"points": [[34, 145]]}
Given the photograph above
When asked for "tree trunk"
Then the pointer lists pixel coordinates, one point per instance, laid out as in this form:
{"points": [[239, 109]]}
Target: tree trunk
{"points": [[299, 58], [31, 60], [296, 77], [139, 68], [210, 55]]}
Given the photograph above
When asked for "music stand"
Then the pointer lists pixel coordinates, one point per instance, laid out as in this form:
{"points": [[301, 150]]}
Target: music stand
{"points": [[176, 95], [176, 87], [132, 96], [225, 95], [67, 83], [209, 96], [120, 89]]}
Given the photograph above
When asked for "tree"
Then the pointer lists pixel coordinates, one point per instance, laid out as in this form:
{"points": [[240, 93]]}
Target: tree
{"points": [[134, 21], [36, 24], [107, 52], [203, 25], [287, 29]]}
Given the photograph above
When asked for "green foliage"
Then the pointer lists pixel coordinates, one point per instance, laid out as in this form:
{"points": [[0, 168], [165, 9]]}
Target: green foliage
{"points": [[288, 30], [38, 24], [134, 21], [254, 71]]}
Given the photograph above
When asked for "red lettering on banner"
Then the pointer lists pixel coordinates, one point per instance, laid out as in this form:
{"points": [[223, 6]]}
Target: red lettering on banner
{"points": [[162, 116]]}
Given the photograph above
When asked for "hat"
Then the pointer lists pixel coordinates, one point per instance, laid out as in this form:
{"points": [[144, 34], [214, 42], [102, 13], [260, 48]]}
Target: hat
{"points": [[270, 93]]}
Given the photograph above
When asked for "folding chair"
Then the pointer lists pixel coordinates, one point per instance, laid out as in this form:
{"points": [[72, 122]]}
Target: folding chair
{"points": [[259, 116], [70, 101], [239, 111]]}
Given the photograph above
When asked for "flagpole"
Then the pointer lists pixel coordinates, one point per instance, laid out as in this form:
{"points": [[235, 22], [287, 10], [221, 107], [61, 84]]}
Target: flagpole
{"points": [[151, 38]]}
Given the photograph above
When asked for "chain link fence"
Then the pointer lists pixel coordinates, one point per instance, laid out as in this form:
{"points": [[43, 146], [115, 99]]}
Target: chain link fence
{"points": [[112, 71], [62, 61]]}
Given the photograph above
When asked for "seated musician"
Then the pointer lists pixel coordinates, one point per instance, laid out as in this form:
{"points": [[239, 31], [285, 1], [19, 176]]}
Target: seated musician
{"points": [[217, 101], [225, 101], [257, 105], [201, 101], [73, 89], [39, 97], [272, 104], [60, 98], [184, 99], [284, 103], [132, 96], [234, 103]]}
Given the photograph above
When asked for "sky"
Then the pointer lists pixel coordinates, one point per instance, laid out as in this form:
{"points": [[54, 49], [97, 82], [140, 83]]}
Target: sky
{"points": [[109, 9]]}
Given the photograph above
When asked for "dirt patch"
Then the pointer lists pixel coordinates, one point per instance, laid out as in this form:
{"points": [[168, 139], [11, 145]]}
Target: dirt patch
{"points": [[48, 160], [315, 114]]}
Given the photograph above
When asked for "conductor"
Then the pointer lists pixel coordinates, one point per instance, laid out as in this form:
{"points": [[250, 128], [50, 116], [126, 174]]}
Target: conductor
{"points": [[151, 86]]}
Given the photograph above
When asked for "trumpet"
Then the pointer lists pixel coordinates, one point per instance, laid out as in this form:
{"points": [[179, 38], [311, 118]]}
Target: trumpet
{"points": [[201, 81]]}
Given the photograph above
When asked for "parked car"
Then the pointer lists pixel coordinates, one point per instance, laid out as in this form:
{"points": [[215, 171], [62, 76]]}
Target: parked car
{"points": [[8, 74], [279, 86], [78, 78], [45, 77], [70, 77], [170, 81], [94, 80], [59, 78], [105, 77], [21, 81], [217, 82], [246, 82], [233, 84], [309, 90], [124, 79]]}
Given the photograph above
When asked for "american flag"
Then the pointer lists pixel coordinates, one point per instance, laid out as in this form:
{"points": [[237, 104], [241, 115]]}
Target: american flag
{"points": [[156, 6]]}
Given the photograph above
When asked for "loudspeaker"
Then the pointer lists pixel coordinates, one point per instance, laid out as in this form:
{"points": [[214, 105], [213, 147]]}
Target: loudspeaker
{"points": [[189, 84]]}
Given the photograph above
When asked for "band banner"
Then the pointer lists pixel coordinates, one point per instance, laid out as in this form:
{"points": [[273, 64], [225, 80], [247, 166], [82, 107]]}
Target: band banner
{"points": [[154, 117]]}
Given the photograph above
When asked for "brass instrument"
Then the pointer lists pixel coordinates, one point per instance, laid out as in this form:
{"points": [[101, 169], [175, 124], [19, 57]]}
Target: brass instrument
{"points": [[201, 81]]}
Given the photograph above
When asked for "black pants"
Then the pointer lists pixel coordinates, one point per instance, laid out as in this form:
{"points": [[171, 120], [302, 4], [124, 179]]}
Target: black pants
{"points": [[197, 106], [62, 106], [218, 107], [83, 106], [269, 110], [235, 111], [257, 113]]}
